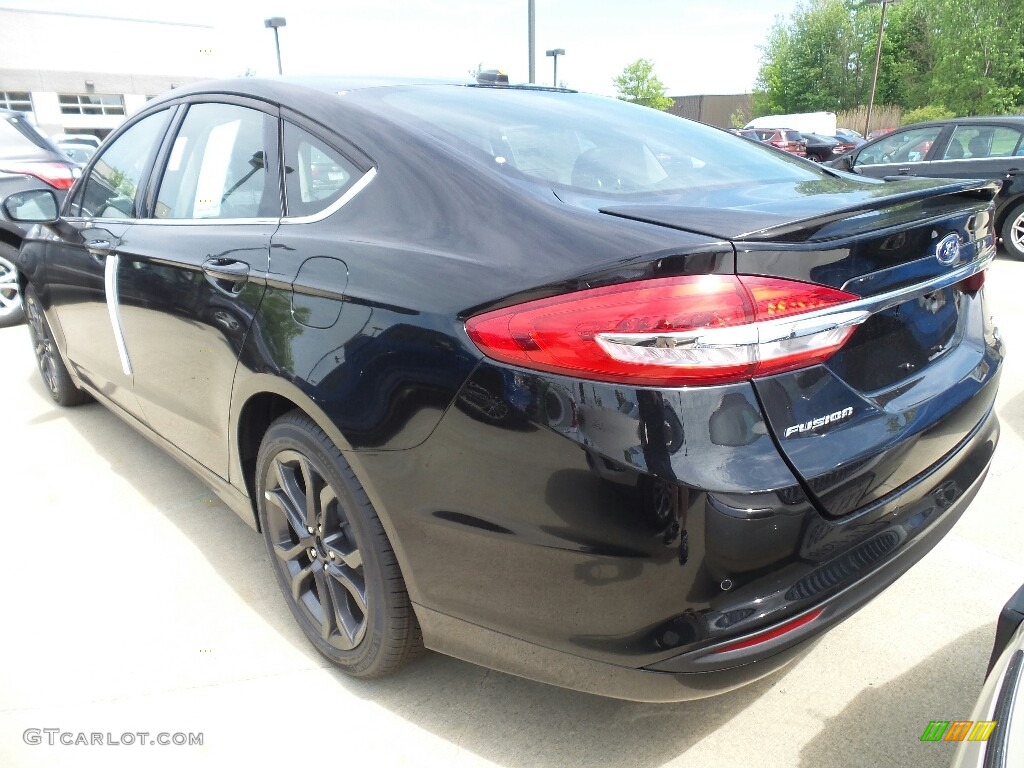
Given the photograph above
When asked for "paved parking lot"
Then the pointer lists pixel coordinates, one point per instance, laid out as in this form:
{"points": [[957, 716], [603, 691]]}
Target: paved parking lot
{"points": [[133, 601]]}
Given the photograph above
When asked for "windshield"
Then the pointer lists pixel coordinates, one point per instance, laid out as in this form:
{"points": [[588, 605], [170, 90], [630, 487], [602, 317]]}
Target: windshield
{"points": [[589, 143]]}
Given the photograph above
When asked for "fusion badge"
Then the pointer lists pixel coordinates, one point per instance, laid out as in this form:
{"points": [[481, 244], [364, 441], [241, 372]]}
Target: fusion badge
{"points": [[821, 421]]}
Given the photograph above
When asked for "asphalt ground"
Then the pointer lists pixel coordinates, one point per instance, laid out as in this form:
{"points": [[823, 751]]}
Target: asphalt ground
{"points": [[135, 602]]}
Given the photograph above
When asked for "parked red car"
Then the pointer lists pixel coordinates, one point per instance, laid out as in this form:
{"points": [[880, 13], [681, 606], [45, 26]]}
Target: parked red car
{"points": [[783, 138]]}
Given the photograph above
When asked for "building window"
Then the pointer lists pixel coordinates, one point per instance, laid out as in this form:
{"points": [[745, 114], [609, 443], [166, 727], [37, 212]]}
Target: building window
{"points": [[20, 101], [91, 104]]}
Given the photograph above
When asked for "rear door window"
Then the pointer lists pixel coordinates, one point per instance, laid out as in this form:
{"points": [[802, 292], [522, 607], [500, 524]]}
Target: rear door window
{"points": [[982, 141], [218, 166]]}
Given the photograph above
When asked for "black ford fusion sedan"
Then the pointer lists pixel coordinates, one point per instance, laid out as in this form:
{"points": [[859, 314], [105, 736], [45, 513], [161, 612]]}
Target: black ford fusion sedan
{"points": [[560, 385]]}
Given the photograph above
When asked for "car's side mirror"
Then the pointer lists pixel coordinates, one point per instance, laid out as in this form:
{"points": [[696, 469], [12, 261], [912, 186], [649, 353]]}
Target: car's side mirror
{"points": [[36, 206], [844, 163]]}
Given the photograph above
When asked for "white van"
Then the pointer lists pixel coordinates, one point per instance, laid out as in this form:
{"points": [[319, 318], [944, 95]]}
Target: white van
{"points": [[823, 123]]}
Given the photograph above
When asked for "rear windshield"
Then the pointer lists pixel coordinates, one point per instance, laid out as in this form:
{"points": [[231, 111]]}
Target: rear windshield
{"points": [[589, 143], [791, 136]]}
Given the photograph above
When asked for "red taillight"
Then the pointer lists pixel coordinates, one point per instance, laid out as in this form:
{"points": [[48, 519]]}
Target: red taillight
{"points": [[673, 331], [56, 175], [973, 283], [771, 634]]}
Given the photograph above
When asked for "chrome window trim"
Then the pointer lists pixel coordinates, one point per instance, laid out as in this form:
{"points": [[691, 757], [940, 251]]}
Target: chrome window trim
{"points": [[334, 207], [176, 222], [113, 261], [976, 159], [91, 220], [337, 205], [208, 222], [912, 163]]}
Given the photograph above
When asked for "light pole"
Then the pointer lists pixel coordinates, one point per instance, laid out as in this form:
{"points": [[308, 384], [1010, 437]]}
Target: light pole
{"points": [[275, 23], [878, 59], [531, 34], [555, 53]]}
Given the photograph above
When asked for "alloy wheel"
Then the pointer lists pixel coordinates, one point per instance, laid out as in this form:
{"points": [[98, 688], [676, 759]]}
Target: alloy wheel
{"points": [[315, 549], [44, 346], [10, 293], [1017, 233]]}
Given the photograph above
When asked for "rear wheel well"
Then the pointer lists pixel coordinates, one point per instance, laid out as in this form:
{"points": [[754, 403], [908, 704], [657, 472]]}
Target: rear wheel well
{"points": [[259, 412], [1007, 210]]}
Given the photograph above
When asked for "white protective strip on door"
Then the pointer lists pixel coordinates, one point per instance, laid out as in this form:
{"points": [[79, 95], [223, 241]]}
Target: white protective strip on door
{"points": [[114, 310]]}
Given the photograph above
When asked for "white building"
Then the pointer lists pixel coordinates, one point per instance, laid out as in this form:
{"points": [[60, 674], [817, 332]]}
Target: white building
{"points": [[69, 69]]}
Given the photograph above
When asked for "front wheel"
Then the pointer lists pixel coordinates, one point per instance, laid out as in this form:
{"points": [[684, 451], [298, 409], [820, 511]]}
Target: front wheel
{"points": [[332, 558], [11, 312], [1013, 233], [51, 365]]}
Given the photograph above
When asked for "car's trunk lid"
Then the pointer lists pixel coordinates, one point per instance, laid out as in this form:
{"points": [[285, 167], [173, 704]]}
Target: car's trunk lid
{"points": [[919, 374]]}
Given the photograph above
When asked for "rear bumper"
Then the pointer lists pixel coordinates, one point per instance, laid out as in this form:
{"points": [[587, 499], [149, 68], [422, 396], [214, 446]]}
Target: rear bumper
{"points": [[620, 541], [705, 672]]}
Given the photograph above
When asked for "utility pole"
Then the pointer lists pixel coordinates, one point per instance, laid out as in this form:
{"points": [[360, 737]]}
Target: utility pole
{"points": [[555, 53], [878, 59], [275, 23], [531, 24]]}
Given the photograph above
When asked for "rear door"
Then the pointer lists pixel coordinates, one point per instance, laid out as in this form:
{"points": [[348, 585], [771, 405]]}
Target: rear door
{"points": [[194, 270], [980, 151]]}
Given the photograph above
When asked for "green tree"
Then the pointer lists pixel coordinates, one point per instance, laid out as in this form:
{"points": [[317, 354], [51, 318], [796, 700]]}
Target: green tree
{"points": [[639, 85], [817, 60], [979, 56], [908, 55], [739, 118], [921, 114], [965, 54]]}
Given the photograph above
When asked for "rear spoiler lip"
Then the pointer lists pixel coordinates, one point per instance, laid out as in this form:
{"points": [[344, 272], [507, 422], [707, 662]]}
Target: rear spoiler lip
{"points": [[984, 189]]}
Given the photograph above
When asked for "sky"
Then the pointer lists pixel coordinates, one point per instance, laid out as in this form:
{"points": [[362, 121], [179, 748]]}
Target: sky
{"points": [[697, 46]]}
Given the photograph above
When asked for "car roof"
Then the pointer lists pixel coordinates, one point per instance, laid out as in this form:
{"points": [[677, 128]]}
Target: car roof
{"points": [[274, 88], [326, 100], [1014, 120]]}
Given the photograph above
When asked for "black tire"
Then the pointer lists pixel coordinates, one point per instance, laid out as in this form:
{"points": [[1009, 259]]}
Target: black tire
{"points": [[332, 558], [55, 374], [11, 310], [1013, 233]]}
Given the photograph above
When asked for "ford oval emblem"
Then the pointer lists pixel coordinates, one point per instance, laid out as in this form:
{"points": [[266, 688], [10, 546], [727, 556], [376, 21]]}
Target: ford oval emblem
{"points": [[948, 250]]}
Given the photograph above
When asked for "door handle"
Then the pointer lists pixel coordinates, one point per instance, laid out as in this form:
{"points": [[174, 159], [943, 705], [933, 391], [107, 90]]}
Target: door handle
{"points": [[98, 248], [903, 171], [228, 270]]}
